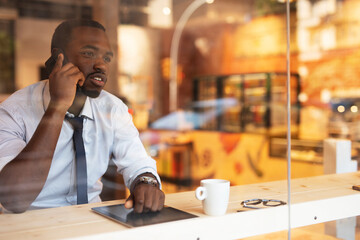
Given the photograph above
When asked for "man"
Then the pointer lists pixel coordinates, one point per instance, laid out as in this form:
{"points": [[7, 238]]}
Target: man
{"points": [[37, 158]]}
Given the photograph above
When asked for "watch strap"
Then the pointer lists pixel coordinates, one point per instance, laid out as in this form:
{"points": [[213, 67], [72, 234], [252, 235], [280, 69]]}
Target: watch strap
{"points": [[146, 178]]}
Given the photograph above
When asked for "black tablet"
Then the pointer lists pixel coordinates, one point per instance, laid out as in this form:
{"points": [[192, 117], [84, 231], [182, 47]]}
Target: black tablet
{"points": [[129, 218]]}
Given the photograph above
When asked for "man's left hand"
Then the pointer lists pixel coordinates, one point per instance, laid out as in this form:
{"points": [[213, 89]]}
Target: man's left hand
{"points": [[145, 198]]}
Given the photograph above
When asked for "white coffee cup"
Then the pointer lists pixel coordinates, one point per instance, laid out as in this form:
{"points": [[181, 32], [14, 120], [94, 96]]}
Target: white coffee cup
{"points": [[214, 194]]}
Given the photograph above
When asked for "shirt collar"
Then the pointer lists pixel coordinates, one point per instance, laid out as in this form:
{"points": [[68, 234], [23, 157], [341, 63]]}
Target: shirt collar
{"points": [[86, 111]]}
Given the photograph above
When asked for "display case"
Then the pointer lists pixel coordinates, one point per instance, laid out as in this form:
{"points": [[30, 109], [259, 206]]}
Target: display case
{"points": [[310, 151], [254, 102], [205, 103]]}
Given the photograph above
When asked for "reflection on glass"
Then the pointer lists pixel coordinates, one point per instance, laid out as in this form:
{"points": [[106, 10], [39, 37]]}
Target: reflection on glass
{"points": [[231, 87]]}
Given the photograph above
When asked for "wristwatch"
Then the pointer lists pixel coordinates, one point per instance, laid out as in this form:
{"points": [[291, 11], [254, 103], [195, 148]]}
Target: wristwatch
{"points": [[148, 180]]}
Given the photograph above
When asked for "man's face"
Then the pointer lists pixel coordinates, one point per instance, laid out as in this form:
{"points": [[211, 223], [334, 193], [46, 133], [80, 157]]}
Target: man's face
{"points": [[89, 50]]}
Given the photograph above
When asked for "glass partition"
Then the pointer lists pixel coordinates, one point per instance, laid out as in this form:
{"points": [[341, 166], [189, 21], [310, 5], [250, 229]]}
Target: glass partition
{"points": [[206, 82]]}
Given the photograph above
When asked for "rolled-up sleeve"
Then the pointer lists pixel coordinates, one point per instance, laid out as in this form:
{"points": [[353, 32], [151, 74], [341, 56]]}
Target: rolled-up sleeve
{"points": [[129, 153], [11, 136]]}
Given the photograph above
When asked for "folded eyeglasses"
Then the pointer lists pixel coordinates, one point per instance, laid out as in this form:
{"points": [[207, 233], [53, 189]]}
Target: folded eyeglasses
{"points": [[251, 203]]}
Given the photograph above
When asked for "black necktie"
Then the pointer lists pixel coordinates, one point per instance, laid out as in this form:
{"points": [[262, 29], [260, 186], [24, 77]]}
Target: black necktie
{"points": [[81, 173]]}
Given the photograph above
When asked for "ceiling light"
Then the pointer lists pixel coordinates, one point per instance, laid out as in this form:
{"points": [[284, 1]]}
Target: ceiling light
{"points": [[341, 109], [354, 109], [166, 11]]}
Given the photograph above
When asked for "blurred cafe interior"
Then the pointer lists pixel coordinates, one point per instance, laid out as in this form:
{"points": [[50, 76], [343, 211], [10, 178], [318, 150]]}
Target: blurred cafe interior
{"points": [[206, 80]]}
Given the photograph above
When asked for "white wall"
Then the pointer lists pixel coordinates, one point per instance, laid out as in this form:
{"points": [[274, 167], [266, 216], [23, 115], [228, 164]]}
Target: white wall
{"points": [[32, 48], [139, 66]]}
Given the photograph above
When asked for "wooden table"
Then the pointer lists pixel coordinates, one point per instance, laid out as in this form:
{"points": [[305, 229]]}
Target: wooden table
{"points": [[314, 200]]}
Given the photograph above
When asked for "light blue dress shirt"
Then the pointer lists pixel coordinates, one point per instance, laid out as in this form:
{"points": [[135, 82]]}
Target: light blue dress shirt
{"points": [[109, 133]]}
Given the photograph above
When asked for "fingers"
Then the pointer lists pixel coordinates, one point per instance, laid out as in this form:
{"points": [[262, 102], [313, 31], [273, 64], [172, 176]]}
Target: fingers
{"points": [[71, 73], [157, 202], [59, 62], [63, 83], [129, 202], [139, 198], [161, 201], [148, 198], [68, 70], [152, 202], [81, 78]]}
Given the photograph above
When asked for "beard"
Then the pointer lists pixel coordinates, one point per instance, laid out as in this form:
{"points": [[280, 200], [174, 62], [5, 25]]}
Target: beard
{"points": [[87, 92]]}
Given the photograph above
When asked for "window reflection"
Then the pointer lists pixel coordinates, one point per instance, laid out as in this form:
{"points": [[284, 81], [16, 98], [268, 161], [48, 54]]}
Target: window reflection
{"points": [[230, 66], [230, 120]]}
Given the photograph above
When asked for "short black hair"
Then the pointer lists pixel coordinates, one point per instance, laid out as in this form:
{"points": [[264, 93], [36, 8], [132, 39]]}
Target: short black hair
{"points": [[62, 34]]}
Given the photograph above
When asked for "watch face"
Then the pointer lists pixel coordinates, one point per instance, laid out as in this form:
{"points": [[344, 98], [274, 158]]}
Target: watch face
{"points": [[148, 180]]}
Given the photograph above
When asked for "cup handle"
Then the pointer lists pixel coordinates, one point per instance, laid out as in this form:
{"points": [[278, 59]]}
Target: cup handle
{"points": [[200, 193]]}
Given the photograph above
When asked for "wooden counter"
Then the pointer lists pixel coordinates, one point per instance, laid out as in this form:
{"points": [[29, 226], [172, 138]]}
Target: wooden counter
{"points": [[314, 200]]}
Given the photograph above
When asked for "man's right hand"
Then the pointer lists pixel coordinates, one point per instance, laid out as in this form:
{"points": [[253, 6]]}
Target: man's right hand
{"points": [[34, 161], [63, 81]]}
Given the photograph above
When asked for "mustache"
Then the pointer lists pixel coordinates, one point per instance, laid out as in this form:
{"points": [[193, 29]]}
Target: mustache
{"points": [[96, 72]]}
